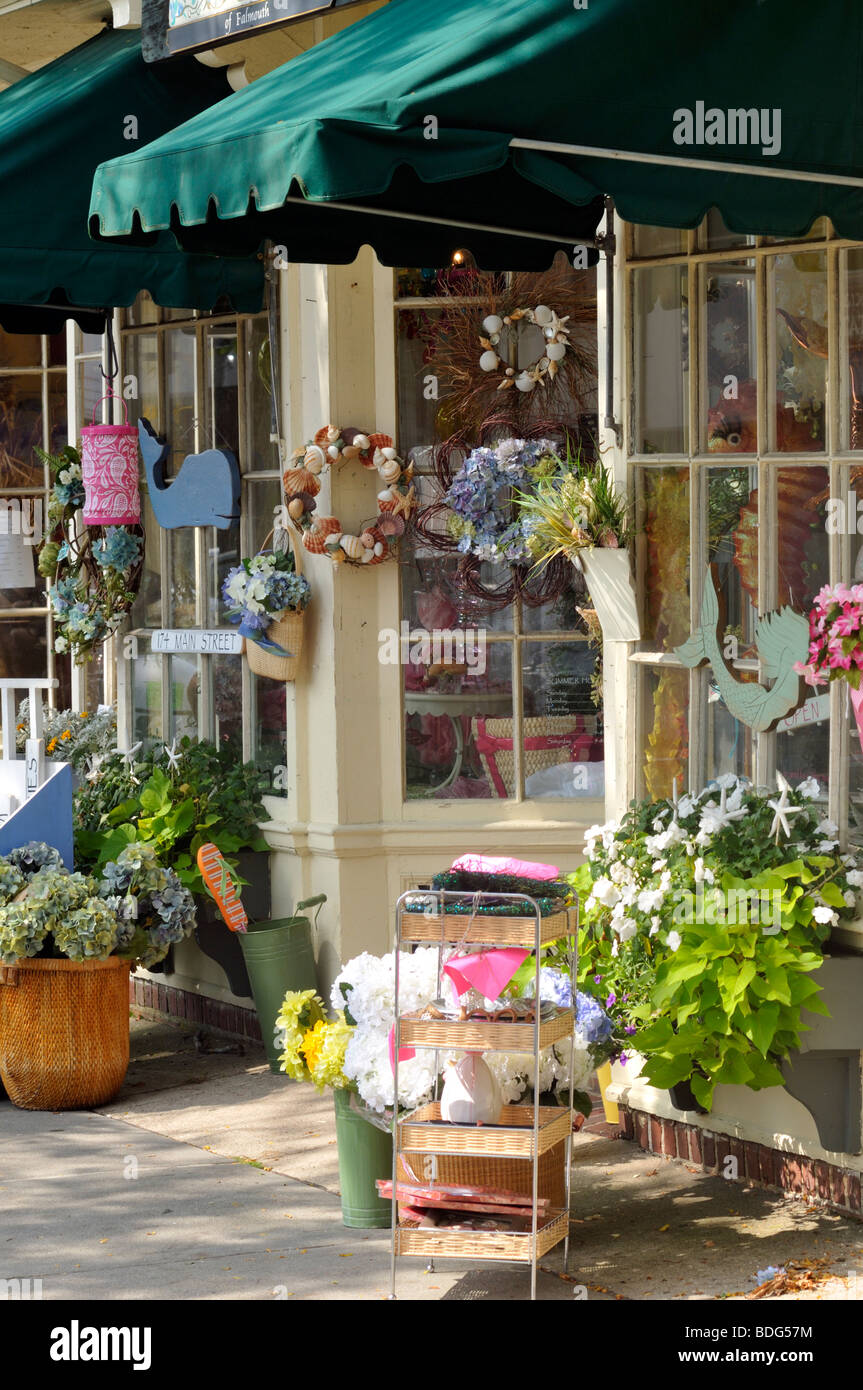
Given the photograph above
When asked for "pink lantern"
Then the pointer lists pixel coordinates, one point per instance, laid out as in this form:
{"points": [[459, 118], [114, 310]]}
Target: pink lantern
{"points": [[109, 468]]}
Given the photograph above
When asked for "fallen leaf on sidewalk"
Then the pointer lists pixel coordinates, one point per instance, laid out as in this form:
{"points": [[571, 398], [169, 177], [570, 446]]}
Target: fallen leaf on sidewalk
{"points": [[346, 1255], [664, 1228]]}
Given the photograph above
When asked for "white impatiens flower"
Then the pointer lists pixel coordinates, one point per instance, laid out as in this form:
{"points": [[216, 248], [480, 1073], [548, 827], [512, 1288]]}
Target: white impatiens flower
{"points": [[825, 916], [629, 894], [809, 788], [827, 827], [686, 805], [654, 926], [850, 899], [702, 873], [674, 940], [605, 892], [650, 898], [658, 865], [627, 929], [619, 873], [855, 878], [615, 947]]}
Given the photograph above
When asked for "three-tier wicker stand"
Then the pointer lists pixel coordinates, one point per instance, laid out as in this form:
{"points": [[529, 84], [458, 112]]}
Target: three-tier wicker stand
{"points": [[526, 1133]]}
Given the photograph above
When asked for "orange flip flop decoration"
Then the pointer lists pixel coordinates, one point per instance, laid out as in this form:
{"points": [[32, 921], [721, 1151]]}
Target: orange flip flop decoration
{"points": [[216, 873]]}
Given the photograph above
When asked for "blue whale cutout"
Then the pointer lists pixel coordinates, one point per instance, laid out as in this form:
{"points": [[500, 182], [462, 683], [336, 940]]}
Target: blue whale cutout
{"points": [[205, 492]]}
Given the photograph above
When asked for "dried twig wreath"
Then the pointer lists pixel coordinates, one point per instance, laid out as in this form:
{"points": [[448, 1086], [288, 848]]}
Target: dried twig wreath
{"points": [[468, 348], [532, 587]]}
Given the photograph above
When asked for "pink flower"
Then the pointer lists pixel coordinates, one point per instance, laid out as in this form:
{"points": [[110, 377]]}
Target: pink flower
{"points": [[848, 623]]}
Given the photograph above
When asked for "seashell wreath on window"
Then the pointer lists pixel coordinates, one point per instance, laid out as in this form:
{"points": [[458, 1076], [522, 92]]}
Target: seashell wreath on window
{"points": [[396, 500]]}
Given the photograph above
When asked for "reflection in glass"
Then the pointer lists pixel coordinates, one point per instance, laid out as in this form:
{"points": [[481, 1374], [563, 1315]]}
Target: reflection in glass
{"points": [[447, 705], [147, 696], [184, 673], [269, 732], [20, 350], [661, 360], [182, 587], [713, 235], [803, 559], [21, 430], [563, 752], [665, 502], [658, 241], [729, 295], [141, 361], [180, 425], [800, 287], [259, 451], [665, 716], [854, 282]]}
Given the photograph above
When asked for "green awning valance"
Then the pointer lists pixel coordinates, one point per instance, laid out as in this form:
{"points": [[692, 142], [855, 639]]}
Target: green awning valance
{"points": [[55, 127], [416, 107]]}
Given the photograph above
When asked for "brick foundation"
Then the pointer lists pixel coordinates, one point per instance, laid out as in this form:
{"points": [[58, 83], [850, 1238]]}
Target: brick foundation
{"points": [[811, 1177], [194, 1008]]}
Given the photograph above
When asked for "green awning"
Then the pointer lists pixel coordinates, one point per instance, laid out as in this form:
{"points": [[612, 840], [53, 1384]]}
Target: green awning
{"points": [[349, 123], [55, 127]]}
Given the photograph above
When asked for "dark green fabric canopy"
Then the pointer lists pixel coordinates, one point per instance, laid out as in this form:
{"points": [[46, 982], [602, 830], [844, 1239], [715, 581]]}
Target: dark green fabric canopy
{"points": [[55, 127], [348, 122]]}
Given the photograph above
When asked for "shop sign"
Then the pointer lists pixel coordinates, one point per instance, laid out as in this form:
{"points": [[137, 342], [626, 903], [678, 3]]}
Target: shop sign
{"points": [[196, 24], [206, 641]]}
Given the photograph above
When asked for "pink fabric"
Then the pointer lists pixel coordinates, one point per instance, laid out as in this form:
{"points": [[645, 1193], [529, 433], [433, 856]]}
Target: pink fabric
{"points": [[489, 971], [857, 706], [405, 1053], [521, 868]]}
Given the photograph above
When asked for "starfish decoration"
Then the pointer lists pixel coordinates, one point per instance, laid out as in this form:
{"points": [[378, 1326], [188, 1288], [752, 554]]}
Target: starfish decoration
{"points": [[404, 502], [129, 755], [172, 756], [782, 810]]}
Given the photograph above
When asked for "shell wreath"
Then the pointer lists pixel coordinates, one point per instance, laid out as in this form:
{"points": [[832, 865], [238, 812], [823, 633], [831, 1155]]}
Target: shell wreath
{"points": [[556, 336], [396, 502]]}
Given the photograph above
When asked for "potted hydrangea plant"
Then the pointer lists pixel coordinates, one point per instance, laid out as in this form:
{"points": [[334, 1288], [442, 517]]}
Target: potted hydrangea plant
{"points": [[67, 943]]}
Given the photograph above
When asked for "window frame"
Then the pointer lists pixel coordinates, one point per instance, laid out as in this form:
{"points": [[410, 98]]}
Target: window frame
{"points": [[166, 322], [836, 458], [590, 809]]}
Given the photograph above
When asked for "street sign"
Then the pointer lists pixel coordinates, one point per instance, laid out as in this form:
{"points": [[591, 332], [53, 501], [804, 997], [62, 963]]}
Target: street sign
{"points": [[183, 26]]}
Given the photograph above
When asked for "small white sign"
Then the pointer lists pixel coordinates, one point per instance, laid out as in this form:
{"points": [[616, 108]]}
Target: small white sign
{"points": [[209, 641], [815, 709], [16, 561]]}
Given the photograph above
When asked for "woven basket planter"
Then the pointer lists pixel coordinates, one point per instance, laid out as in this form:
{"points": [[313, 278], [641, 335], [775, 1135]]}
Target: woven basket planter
{"points": [[287, 630], [64, 1032]]}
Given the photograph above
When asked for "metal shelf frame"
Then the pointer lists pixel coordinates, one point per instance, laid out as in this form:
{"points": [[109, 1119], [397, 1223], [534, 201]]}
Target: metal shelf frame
{"points": [[534, 938]]}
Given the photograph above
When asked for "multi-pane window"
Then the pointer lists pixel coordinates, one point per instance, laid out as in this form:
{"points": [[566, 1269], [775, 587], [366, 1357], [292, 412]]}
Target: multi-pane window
{"points": [[32, 413], [204, 382], [515, 719], [745, 415]]}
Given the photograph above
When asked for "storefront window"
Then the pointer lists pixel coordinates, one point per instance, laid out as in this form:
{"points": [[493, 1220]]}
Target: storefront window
{"points": [[204, 382], [755, 532], [509, 715], [32, 414]]}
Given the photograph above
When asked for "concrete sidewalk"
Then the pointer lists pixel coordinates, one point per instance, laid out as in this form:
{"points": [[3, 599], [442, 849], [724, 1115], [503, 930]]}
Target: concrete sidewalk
{"points": [[211, 1178]]}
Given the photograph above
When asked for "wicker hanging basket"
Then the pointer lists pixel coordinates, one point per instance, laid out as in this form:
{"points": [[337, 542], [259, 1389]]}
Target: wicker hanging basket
{"points": [[64, 1032], [286, 629]]}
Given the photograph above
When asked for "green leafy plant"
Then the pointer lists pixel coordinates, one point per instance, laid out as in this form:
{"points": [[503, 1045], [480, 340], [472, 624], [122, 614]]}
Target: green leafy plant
{"points": [[573, 510], [207, 796], [703, 921]]}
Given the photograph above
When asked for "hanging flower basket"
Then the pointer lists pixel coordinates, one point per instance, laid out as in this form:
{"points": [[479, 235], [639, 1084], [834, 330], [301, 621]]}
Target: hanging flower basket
{"points": [[109, 466], [609, 580], [269, 594]]}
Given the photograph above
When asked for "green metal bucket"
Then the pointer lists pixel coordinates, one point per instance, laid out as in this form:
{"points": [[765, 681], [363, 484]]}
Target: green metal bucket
{"points": [[365, 1154], [279, 957]]}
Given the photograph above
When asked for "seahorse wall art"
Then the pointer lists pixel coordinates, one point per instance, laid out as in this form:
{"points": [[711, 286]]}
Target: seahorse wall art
{"points": [[781, 637], [205, 492]]}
